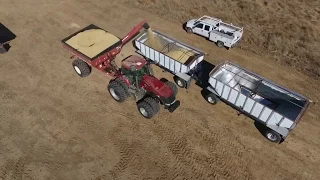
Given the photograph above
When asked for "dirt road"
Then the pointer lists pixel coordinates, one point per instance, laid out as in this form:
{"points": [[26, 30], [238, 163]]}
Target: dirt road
{"points": [[56, 125]]}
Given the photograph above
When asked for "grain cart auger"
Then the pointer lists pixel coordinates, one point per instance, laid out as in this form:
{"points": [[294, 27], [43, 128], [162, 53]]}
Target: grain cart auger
{"points": [[95, 47]]}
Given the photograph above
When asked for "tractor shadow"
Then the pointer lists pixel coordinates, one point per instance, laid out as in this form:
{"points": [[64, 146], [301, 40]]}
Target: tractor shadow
{"points": [[5, 37]]}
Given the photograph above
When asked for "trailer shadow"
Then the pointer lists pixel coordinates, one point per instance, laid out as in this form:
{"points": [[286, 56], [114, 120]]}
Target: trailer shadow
{"points": [[202, 75], [5, 37]]}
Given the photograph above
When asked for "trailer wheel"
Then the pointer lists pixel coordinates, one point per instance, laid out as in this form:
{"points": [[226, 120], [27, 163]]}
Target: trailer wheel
{"points": [[117, 91], [145, 109], [180, 82], [212, 99], [220, 44], [173, 87], [154, 104], [189, 30], [272, 136], [81, 68]]}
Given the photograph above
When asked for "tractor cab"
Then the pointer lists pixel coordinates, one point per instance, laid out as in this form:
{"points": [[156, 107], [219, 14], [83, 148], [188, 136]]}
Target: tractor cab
{"points": [[134, 68]]}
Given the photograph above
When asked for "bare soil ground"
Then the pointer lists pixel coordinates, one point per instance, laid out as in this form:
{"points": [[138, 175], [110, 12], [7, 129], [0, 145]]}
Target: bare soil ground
{"points": [[56, 125]]}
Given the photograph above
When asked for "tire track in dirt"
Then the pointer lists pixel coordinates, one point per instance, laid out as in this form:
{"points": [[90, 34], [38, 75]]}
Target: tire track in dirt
{"points": [[17, 169], [220, 164], [129, 156]]}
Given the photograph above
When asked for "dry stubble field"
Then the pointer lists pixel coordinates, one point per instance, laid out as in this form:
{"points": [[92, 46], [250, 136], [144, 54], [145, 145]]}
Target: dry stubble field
{"points": [[55, 125]]}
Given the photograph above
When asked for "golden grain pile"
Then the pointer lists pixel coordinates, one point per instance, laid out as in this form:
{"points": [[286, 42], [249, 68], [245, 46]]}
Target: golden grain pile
{"points": [[175, 52]]}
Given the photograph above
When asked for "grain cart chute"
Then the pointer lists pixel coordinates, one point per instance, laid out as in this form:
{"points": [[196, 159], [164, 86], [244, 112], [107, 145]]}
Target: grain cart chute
{"points": [[171, 55], [276, 107], [95, 47]]}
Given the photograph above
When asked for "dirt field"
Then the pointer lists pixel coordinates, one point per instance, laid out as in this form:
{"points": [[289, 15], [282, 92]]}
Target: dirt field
{"points": [[56, 125]]}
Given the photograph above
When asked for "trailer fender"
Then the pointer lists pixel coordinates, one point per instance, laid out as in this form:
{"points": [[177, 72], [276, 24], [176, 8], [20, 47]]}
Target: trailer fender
{"points": [[281, 130], [209, 88]]}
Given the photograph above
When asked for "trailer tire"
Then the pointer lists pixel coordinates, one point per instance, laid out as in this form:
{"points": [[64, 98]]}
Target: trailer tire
{"points": [[145, 109], [220, 44], [212, 98], [272, 136], [173, 87], [189, 30], [81, 68], [117, 91], [154, 103], [180, 82]]}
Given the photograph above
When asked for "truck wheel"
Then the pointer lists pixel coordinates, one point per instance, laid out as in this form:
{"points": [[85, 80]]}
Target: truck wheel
{"points": [[145, 109], [212, 99], [173, 87], [272, 136], [81, 68], [220, 44], [117, 91], [180, 82], [154, 104], [189, 30]]}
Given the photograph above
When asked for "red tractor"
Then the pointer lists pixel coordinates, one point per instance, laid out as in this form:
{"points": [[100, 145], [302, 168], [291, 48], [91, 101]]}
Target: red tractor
{"points": [[135, 76]]}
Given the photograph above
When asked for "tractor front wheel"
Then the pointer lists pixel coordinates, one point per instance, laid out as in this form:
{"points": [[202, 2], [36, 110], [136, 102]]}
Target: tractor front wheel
{"points": [[148, 107], [81, 68], [117, 91], [173, 87]]}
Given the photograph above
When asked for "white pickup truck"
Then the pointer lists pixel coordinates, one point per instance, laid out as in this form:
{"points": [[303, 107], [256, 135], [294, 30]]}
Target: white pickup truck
{"points": [[223, 34]]}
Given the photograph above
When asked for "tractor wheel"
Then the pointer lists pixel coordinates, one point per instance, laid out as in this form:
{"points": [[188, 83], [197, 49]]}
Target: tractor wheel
{"points": [[81, 67], [123, 84], [212, 99], [145, 109], [189, 30], [220, 44], [180, 82], [154, 104], [173, 87], [272, 136], [117, 91]]}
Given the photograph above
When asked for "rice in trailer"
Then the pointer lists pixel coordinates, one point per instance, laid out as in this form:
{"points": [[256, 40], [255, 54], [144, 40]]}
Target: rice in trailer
{"points": [[171, 55], [276, 107]]}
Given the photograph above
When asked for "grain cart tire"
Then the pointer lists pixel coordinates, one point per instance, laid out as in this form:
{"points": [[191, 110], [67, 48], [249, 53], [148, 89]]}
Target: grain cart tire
{"points": [[81, 68], [272, 136], [220, 44], [173, 87], [212, 98], [180, 82], [189, 30], [154, 104], [117, 91], [145, 109]]}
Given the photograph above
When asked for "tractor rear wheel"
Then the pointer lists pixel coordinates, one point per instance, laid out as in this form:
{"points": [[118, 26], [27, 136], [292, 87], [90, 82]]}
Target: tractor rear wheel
{"points": [[173, 87], [147, 110], [117, 91], [81, 67]]}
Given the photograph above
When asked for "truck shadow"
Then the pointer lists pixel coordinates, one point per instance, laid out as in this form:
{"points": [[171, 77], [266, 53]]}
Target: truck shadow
{"points": [[5, 37]]}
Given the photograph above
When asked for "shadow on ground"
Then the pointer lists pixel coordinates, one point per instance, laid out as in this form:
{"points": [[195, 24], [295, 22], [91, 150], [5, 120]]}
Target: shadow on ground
{"points": [[5, 37]]}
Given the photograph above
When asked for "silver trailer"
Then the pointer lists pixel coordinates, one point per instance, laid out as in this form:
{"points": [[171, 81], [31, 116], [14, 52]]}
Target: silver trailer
{"points": [[171, 55], [275, 107]]}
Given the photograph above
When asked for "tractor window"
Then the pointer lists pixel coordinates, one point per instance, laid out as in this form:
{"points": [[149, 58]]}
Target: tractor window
{"points": [[200, 25]]}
